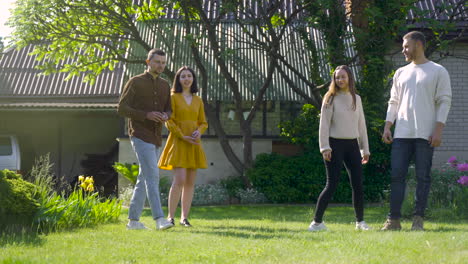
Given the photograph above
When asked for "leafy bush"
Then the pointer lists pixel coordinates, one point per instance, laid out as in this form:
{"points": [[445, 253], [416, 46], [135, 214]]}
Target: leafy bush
{"points": [[18, 200], [288, 179], [448, 195], [251, 196], [233, 185]]}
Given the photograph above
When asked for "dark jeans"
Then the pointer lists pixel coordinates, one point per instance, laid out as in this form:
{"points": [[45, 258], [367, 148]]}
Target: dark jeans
{"points": [[344, 151], [403, 149]]}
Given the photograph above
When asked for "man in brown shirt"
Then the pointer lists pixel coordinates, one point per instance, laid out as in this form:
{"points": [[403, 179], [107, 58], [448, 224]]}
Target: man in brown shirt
{"points": [[146, 101]]}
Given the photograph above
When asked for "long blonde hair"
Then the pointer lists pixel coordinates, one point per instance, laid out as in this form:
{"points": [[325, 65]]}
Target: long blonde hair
{"points": [[334, 88]]}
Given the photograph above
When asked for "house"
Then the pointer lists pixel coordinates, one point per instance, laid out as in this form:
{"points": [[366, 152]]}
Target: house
{"points": [[73, 121], [78, 125]]}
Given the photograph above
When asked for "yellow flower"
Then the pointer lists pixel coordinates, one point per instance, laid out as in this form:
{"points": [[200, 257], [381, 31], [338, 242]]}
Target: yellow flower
{"points": [[81, 178], [90, 188], [83, 185], [89, 180]]}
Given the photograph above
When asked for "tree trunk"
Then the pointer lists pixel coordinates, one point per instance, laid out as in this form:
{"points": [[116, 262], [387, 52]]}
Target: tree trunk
{"points": [[211, 111]]}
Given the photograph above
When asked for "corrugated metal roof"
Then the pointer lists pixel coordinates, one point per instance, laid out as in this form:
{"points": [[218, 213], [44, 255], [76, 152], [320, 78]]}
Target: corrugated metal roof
{"points": [[247, 65], [434, 10], [42, 106], [18, 77]]}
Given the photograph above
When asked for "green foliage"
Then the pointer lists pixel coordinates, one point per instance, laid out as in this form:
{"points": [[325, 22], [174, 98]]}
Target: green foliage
{"points": [[278, 20], [303, 130], [329, 16], [77, 210], [447, 197], [302, 178], [41, 176], [233, 185], [56, 211], [95, 34], [129, 171], [18, 201], [287, 179], [373, 42]]}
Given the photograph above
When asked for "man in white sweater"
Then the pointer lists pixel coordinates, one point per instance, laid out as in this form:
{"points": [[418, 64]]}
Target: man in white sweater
{"points": [[419, 104]]}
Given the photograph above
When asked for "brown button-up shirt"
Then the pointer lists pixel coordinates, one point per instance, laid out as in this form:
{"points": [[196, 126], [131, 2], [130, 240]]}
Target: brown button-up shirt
{"points": [[142, 94]]}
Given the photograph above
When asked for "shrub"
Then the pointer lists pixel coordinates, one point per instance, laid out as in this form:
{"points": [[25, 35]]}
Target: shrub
{"points": [[251, 196], [18, 200], [233, 185], [448, 195], [83, 207], [288, 179], [301, 178]]}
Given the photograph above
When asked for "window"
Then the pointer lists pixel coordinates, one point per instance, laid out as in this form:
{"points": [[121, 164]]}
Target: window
{"points": [[5, 146]]}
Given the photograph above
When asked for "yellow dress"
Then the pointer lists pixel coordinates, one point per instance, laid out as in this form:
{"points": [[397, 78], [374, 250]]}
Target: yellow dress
{"points": [[185, 119]]}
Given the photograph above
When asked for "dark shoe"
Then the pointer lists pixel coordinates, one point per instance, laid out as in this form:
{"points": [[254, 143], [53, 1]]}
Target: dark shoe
{"points": [[392, 224], [171, 220], [418, 223], [185, 223]]}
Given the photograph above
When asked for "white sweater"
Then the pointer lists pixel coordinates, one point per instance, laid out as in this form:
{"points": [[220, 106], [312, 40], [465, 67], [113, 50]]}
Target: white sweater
{"points": [[420, 97], [340, 121]]}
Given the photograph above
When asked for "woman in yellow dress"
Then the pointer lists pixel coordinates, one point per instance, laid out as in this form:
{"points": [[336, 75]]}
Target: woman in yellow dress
{"points": [[183, 152]]}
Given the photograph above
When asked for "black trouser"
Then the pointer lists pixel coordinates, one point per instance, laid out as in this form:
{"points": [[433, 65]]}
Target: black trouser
{"points": [[344, 151]]}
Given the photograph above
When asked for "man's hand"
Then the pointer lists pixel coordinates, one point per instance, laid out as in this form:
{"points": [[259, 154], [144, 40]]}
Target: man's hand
{"points": [[436, 139], [387, 133], [327, 154], [156, 116]]}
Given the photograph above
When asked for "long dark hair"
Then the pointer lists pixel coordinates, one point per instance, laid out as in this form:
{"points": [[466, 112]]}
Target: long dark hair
{"points": [[334, 88], [177, 87]]}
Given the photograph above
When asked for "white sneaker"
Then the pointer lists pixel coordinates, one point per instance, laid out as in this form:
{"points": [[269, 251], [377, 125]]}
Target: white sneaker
{"points": [[317, 226], [362, 226], [162, 223], [135, 225]]}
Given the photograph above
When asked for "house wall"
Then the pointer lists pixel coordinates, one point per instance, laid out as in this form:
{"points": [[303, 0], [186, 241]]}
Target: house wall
{"points": [[455, 135], [67, 136]]}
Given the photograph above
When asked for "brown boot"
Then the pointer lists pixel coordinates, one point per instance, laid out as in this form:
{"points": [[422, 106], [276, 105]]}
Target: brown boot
{"points": [[418, 223], [392, 224]]}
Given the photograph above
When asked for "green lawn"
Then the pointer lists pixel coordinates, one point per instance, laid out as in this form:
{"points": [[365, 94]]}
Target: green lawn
{"points": [[247, 234]]}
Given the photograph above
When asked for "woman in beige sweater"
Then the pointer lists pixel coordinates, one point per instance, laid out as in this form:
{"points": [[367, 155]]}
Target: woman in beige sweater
{"points": [[343, 140]]}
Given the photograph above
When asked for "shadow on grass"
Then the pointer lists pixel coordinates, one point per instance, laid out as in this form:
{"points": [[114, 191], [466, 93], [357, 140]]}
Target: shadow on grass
{"points": [[295, 213], [20, 238], [335, 214], [250, 232]]}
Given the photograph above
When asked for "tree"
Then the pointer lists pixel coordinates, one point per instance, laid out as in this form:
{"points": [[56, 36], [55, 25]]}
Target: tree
{"points": [[262, 30], [98, 33]]}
